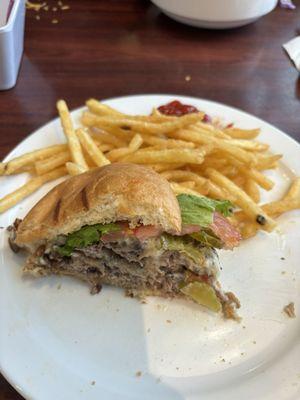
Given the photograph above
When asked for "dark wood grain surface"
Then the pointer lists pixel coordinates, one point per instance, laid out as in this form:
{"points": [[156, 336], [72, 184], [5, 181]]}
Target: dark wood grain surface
{"points": [[111, 48]]}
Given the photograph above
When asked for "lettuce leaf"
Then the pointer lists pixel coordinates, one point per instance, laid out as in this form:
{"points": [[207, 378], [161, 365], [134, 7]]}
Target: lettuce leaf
{"points": [[183, 245], [200, 210], [85, 236]]}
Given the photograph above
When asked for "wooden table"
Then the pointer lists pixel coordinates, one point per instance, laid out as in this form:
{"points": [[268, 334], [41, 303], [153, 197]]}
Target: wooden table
{"points": [[112, 48]]}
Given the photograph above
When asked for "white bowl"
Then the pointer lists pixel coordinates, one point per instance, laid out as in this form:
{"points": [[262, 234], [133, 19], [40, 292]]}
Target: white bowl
{"points": [[217, 14]]}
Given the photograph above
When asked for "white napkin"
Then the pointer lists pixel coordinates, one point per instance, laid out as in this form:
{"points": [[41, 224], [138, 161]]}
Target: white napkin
{"points": [[293, 50], [287, 4]]}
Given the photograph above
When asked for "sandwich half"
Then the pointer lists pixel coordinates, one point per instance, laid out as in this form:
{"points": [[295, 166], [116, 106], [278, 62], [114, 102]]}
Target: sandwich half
{"points": [[122, 225]]}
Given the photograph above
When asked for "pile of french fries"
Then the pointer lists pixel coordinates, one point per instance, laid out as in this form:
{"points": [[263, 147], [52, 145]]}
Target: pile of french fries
{"points": [[196, 157]]}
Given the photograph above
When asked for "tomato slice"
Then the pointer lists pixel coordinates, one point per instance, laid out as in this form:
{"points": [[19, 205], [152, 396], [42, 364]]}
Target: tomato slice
{"points": [[225, 231]]}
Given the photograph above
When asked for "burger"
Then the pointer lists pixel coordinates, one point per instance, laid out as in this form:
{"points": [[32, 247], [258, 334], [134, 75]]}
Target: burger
{"points": [[122, 225]]}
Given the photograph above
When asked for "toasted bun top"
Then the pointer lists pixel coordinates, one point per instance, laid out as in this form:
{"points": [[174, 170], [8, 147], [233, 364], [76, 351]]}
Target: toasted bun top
{"points": [[116, 192]]}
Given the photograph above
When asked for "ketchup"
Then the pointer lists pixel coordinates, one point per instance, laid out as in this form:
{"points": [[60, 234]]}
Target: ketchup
{"points": [[177, 109]]}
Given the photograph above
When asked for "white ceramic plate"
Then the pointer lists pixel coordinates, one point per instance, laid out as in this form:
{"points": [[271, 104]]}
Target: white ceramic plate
{"points": [[59, 342]]}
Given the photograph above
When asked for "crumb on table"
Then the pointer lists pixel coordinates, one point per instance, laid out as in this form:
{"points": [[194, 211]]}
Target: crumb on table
{"points": [[289, 309], [138, 374], [38, 7]]}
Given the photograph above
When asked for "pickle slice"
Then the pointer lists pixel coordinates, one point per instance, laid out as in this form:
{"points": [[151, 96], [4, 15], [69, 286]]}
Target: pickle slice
{"points": [[202, 294]]}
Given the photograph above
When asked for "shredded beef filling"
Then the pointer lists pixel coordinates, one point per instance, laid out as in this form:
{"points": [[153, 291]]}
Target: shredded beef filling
{"points": [[134, 264]]}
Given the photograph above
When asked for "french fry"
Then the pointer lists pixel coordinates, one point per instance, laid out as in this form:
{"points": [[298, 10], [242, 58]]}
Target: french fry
{"points": [[254, 174], [216, 192], [237, 133], [167, 143], [167, 156], [201, 183], [271, 166], [178, 189], [12, 166], [241, 199], [31, 186], [198, 137], [101, 109], [91, 148], [27, 168], [203, 190], [188, 184], [141, 126], [289, 202], [266, 161], [276, 208], [210, 130], [151, 148], [248, 230], [162, 117], [180, 175], [122, 135], [252, 190], [90, 162], [231, 172], [238, 180], [249, 145], [135, 142], [105, 147], [107, 138], [73, 142], [134, 145], [44, 166], [258, 177], [213, 162], [117, 154], [294, 191], [161, 167], [74, 169]]}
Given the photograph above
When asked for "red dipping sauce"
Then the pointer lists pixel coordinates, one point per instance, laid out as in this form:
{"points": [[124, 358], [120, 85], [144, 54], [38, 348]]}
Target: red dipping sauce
{"points": [[177, 109]]}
